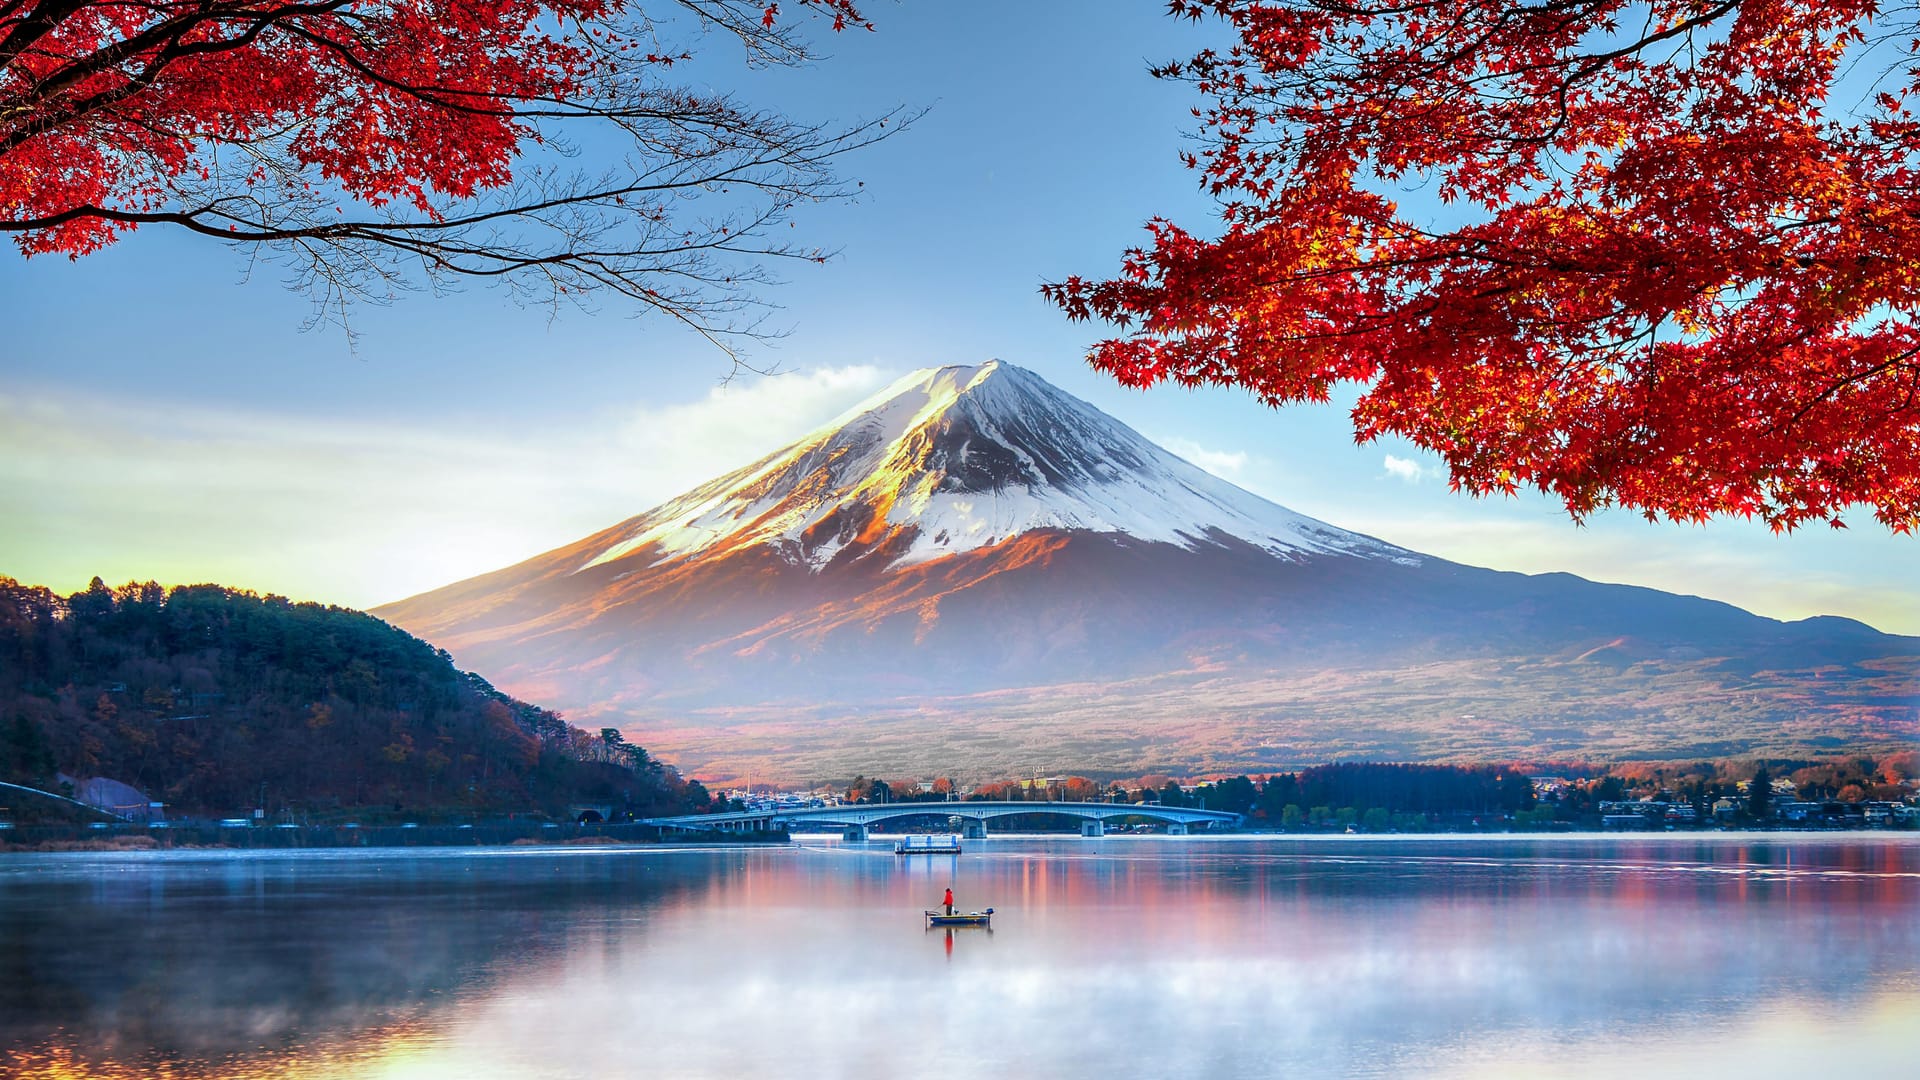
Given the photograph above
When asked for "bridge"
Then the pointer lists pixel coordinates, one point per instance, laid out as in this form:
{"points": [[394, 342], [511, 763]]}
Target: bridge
{"points": [[856, 820], [102, 811]]}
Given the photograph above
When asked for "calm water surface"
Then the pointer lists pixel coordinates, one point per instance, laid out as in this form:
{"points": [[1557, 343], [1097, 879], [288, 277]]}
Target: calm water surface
{"points": [[1124, 956]]}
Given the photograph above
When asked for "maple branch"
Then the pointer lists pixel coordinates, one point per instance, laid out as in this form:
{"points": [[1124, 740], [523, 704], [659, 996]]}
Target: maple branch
{"points": [[455, 154], [1897, 362], [165, 37], [340, 255], [41, 18]]}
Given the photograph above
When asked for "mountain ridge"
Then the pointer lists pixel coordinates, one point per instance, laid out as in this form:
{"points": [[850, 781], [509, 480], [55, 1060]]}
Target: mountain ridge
{"points": [[971, 535]]}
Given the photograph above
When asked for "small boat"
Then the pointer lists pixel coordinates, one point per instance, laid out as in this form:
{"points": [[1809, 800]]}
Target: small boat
{"points": [[920, 844], [958, 918]]}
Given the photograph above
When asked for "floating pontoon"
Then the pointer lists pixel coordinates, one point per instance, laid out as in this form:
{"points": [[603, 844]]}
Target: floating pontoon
{"points": [[928, 844]]}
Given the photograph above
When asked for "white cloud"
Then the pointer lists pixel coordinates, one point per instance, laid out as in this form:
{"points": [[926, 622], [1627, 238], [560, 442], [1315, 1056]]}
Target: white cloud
{"points": [[1408, 469], [744, 419], [1225, 464], [353, 511]]}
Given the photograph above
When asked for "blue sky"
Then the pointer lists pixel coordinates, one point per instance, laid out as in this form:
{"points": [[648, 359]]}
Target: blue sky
{"points": [[164, 415]]}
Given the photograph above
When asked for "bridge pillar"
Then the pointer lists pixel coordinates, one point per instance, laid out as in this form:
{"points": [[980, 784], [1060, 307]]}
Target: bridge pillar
{"points": [[974, 829], [1176, 828], [1093, 827], [854, 832]]}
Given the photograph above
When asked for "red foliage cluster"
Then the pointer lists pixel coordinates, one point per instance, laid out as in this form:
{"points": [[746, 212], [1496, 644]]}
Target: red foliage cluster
{"points": [[1658, 268]]}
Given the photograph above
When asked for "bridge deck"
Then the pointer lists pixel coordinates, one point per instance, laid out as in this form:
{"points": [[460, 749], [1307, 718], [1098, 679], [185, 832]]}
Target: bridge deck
{"points": [[867, 814]]}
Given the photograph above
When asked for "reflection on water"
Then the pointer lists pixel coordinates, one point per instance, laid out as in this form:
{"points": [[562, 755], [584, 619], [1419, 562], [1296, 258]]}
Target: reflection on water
{"points": [[1133, 955]]}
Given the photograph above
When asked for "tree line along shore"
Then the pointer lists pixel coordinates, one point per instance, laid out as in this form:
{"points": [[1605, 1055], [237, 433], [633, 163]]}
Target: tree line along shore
{"points": [[1850, 791]]}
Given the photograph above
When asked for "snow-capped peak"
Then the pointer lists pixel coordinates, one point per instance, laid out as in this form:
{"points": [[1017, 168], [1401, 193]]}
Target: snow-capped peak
{"points": [[950, 459]]}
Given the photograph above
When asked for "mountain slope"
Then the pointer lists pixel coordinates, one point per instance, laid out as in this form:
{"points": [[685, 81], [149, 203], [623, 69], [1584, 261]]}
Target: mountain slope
{"points": [[972, 541]]}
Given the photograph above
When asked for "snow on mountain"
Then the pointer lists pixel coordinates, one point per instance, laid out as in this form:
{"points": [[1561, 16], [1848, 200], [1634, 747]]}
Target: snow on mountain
{"points": [[951, 459]]}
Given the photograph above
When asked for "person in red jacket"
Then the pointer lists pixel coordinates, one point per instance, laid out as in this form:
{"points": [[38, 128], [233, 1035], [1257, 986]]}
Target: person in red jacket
{"points": [[948, 900]]}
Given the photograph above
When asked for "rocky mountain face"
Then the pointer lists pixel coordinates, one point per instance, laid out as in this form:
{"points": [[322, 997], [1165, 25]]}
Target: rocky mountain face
{"points": [[974, 571]]}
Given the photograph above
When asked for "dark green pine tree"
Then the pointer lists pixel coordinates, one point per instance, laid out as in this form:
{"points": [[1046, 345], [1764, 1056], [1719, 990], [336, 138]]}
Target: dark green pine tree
{"points": [[1760, 795]]}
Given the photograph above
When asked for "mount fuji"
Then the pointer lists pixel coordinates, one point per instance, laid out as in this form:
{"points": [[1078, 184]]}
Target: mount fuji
{"points": [[973, 572]]}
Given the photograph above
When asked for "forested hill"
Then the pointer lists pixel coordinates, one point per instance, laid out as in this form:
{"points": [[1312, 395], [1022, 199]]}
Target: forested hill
{"points": [[206, 697]]}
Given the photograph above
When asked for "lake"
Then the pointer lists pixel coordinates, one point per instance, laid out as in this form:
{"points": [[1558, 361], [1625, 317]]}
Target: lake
{"points": [[1236, 956]]}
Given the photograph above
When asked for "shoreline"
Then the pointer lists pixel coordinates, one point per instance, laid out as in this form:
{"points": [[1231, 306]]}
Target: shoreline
{"points": [[136, 839], [209, 836]]}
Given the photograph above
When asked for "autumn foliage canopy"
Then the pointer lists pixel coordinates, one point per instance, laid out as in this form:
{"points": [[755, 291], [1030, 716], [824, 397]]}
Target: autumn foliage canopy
{"points": [[1653, 255], [375, 142]]}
